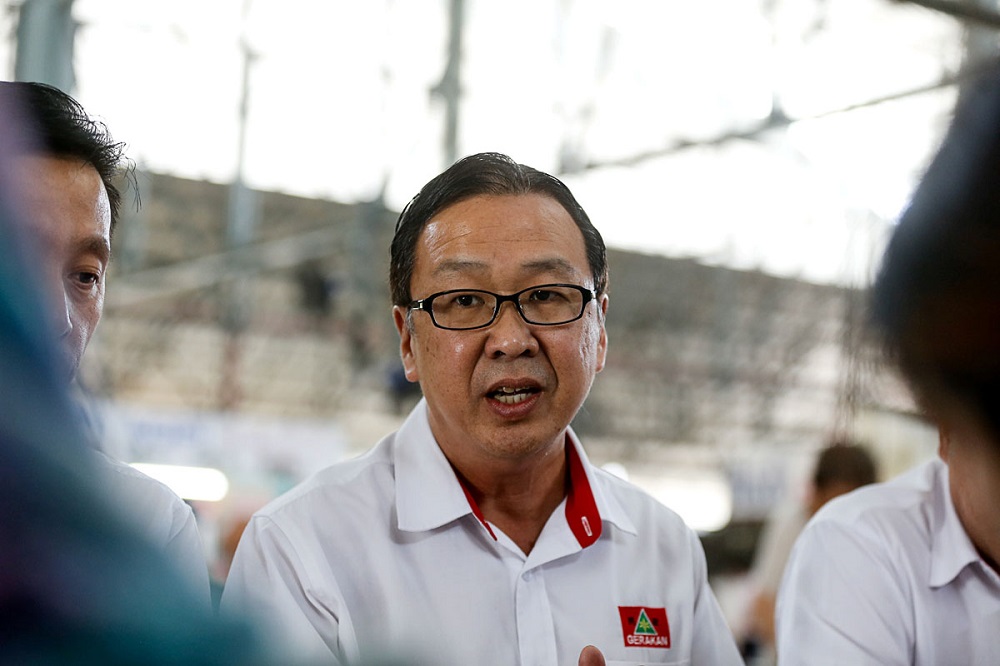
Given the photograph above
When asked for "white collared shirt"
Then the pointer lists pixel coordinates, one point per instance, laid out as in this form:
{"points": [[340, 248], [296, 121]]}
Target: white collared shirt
{"points": [[162, 517], [887, 575], [384, 554]]}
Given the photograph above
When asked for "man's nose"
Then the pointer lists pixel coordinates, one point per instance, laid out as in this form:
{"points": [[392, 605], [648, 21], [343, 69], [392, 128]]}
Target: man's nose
{"points": [[510, 335], [59, 307]]}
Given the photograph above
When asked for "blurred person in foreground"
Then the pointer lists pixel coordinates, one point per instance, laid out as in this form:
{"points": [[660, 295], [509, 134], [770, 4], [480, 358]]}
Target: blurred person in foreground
{"points": [[908, 572], [840, 467], [62, 167], [79, 583], [479, 533]]}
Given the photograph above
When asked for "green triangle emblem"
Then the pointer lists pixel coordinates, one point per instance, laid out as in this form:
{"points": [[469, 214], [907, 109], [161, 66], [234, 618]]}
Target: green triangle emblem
{"points": [[643, 626]]}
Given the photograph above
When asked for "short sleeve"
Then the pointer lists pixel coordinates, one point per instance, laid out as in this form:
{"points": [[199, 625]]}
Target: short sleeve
{"points": [[270, 584], [842, 601]]}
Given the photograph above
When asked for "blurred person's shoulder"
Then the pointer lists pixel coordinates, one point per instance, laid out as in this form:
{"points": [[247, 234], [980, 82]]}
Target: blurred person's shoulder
{"points": [[910, 503], [159, 510]]}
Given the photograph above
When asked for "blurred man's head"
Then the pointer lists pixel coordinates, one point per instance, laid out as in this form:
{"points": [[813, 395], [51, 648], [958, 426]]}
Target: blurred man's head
{"points": [[841, 468], [60, 127], [63, 171], [937, 304], [937, 295]]}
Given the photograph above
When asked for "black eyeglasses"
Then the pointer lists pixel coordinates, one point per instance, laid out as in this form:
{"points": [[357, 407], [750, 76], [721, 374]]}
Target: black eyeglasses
{"points": [[542, 305]]}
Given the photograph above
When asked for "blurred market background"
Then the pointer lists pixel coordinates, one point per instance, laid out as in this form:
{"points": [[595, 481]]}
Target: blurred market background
{"points": [[744, 159]]}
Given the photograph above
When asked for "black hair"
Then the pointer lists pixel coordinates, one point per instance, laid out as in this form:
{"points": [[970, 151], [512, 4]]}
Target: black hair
{"points": [[484, 174], [60, 126], [936, 298], [847, 463]]}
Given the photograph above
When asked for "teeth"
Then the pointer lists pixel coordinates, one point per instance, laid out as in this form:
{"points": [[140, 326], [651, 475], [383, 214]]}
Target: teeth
{"points": [[511, 396]]}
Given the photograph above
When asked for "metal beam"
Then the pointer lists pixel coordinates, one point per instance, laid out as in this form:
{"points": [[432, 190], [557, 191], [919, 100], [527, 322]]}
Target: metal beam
{"points": [[203, 272], [963, 11], [207, 271], [449, 89], [45, 34], [773, 122]]}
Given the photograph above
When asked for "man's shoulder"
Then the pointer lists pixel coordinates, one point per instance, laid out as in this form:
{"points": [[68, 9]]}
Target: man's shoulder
{"points": [[136, 490], [637, 504], [148, 503], [364, 476], [903, 503]]}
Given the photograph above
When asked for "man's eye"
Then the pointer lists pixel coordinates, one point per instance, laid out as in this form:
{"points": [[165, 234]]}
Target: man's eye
{"points": [[86, 278], [467, 300], [544, 295]]}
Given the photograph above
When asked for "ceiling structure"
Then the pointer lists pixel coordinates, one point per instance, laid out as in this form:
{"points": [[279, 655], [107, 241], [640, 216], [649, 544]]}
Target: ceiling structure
{"points": [[780, 135]]}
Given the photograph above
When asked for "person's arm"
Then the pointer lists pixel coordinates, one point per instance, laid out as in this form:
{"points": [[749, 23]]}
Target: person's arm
{"points": [[761, 622], [184, 549], [843, 602], [270, 584]]}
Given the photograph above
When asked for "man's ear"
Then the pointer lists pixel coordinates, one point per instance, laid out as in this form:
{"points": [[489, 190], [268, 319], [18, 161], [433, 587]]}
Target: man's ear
{"points": [[944, 442], [602, 343], [403, 327]]}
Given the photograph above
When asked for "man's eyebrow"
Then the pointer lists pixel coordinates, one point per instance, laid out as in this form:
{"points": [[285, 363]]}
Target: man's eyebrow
{"points": [[97, 246], [544, 265], [553, 265], [460, 266]]}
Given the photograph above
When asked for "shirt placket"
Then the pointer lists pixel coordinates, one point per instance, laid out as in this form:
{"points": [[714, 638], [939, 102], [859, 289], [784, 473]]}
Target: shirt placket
{"points": [[535, 629]]}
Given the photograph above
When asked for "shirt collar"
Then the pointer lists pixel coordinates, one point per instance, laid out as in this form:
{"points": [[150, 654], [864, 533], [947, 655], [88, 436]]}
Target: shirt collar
{"points": [[594, 489], [429, 495], [951, 549]]}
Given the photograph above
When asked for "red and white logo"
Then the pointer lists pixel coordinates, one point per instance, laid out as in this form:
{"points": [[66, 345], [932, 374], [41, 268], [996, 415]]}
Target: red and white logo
{"points": [[643, 626]]}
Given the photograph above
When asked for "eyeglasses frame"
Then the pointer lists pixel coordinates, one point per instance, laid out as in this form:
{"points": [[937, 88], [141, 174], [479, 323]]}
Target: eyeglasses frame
{"points": [[426, 304]]}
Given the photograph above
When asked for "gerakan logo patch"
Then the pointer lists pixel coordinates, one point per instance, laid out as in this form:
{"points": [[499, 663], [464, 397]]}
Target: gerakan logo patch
{"points": [[643, 626]]}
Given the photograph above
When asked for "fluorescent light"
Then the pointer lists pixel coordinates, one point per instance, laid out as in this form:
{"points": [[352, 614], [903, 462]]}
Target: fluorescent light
{"points": [[703, 499], [191, 483]]}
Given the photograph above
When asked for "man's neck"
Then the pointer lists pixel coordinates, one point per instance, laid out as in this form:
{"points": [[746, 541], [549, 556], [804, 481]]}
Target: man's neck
{"points": [[519, 499]]}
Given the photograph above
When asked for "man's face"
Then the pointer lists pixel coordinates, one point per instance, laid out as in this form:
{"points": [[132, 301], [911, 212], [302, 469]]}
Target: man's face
{"points": [[502, 244], [973, 458], [67, 206]]}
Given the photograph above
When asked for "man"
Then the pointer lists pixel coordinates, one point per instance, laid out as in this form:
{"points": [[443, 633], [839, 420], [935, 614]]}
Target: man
{"points": [[479, 532], [840, 468], [63, 170], [908, 572], [78, 584]]}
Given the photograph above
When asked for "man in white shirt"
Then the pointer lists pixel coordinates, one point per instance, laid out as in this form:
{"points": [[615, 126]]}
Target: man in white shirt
{"points": [[906, 572], [64, 169], [78, 585], [479, 532]]}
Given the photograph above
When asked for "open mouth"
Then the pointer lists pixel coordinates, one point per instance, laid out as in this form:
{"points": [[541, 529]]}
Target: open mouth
{"points": [[512, 396]]}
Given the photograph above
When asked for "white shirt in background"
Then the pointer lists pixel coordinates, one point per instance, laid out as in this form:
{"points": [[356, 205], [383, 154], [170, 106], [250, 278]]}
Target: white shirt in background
{"points": [[887, 575], [161, 516]]}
